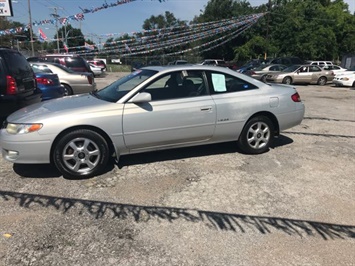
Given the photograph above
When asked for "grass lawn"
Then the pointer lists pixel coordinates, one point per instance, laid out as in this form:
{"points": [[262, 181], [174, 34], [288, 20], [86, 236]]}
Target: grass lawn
{"points": [[118, 68]]}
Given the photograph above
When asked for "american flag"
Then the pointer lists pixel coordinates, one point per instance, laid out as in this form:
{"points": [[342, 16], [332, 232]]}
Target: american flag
{"points": [[42, 37]]}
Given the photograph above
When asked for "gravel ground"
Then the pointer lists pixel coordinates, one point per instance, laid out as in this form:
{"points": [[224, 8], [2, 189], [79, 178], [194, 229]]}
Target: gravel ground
{"points": [[208, 205]]}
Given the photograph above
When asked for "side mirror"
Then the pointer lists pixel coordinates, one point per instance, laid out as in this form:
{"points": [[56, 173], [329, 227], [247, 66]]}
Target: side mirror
{"points": [[142, 97]]}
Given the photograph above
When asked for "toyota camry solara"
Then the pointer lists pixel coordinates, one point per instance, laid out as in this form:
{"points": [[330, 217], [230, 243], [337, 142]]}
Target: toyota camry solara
{"points": [[150, 109]]}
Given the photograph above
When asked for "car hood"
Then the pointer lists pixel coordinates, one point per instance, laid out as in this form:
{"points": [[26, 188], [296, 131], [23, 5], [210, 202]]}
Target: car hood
{"points": [[83, 103]]}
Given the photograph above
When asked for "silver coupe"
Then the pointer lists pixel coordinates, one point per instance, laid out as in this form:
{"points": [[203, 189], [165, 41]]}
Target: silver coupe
{"points": [[153, 108]]}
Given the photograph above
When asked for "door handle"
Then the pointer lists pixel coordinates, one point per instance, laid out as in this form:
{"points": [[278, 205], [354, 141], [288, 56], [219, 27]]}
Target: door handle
{"points": [[204, 109]]}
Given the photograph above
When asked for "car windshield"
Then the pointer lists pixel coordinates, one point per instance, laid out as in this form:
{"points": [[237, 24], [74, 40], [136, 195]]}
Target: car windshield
{"points": [[291, 68], [118, 89]]}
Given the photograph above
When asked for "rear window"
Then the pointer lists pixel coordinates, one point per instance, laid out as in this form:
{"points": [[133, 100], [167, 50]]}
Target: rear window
{"points": [[75, 62], [17, 63]]}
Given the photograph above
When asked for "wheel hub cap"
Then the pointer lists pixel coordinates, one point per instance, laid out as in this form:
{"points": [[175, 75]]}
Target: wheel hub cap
{"points": [[258, 135]]}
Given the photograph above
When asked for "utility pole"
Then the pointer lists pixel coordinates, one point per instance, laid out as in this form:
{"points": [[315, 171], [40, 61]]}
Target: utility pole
{"points": [[267, 29], [31, 33], [55, 15]]}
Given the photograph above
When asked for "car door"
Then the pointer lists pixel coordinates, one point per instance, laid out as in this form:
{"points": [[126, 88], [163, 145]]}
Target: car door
{"points": [[236, 100], [316, 73], [302, 75], [173, 117]]}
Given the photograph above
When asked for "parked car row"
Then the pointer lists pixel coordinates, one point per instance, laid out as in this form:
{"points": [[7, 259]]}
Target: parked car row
{"points": [[301, 74], [314, 72], [24, 82], [18, 86], [73, 82]]}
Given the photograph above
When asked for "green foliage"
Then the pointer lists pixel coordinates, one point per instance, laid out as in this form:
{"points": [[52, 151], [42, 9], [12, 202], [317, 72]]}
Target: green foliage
{"points": [[162, 21]]}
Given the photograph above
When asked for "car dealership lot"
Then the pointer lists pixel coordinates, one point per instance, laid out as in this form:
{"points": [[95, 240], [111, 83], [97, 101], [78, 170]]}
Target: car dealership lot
{"points": [[209, 205]]}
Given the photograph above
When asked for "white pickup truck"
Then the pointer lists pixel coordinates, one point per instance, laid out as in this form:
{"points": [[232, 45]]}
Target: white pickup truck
{"points": [[116, 61]]}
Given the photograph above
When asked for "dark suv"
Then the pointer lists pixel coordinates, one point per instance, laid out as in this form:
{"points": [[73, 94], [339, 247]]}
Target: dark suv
{"points": [[71, 61], [18, 86]]}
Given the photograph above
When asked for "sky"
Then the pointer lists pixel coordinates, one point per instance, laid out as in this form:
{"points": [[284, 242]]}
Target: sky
{"points": [[117, 20]]}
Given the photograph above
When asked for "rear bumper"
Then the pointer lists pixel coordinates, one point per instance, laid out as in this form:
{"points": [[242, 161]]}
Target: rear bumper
{"points": [[52, 92]]}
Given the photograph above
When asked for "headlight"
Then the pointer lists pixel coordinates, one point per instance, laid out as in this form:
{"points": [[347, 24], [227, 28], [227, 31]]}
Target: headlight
{"points": [[22, 128], [346, 79]]}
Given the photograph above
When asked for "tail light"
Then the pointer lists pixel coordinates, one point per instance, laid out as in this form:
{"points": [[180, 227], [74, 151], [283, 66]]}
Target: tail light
{"points": [[90, 79], [296, 97], [11, 87], [44, 81]]}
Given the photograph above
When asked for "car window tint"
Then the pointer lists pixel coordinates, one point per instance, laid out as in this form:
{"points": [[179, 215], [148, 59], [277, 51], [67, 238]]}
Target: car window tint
{"points": [[16, 63], [74, 62], [314, 69], [116, 90], [40, 68], [224, 83], [178, 84]]}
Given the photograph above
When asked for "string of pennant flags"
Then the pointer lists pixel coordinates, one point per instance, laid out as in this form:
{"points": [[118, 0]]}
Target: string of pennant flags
{"points": [[126, 48], [163, 38], [64, 20], [135, 46], [148, 41], [167, 37]]}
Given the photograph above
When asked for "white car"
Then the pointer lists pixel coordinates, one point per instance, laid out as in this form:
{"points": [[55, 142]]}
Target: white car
{"points": [[96, 70], [345, 79], [336, 69]]}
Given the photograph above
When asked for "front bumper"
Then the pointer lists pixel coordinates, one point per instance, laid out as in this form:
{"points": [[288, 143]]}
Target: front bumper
{"points": [[343, 83], [18, 149]]}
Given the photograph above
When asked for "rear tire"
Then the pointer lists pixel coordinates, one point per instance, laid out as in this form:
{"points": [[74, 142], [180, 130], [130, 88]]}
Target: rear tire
{"points": [[257, 135], [322, 81], [81, 153], [67, 90]]}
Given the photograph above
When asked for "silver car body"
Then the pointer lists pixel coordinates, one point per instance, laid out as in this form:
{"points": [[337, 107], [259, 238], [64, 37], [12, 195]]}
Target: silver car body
{"points": [[77, 82], [301, 74], [135, 123], [261, 72]]}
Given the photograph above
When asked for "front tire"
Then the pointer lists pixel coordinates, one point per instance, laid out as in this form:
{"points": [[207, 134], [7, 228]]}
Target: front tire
{"points": [[81, 153], [257, 135], [287, 80]]}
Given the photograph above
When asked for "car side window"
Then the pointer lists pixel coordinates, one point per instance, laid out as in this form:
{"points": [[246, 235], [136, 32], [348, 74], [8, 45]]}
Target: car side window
{"points": [[179, 84], [224, 83], [314, 69]]}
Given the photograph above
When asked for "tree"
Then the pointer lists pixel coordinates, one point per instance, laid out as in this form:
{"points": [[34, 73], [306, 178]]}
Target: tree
{"points": [[73, 36], [162, 21]]}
